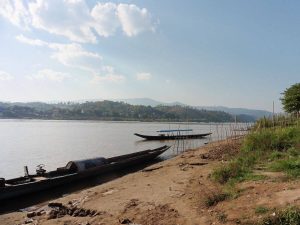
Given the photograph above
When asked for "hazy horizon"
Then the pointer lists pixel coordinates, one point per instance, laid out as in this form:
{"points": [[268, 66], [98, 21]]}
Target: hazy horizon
{"points": [[155, 100], [203, 53]]}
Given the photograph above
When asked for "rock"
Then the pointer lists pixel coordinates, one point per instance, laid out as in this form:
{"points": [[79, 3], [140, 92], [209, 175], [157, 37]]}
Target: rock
{"points": [[60, 215], [55, 204], [71, 211], [93, 213], [31, 214], [237, 221], [203, 156], [76, 212], [28, 221], [52, 215], [82, 213], [125, 221], [41, 212]]}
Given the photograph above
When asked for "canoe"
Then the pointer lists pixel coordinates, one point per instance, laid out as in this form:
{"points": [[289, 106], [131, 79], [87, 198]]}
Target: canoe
{"points": [[74, 171], [172, 137]]}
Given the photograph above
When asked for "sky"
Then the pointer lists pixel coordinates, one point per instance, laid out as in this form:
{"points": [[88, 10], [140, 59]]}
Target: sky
{"points": [[232, 53]]}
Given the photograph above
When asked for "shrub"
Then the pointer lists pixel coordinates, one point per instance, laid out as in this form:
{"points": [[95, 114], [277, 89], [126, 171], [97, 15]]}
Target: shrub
{"points": [[233, 170], [261, 210], [269, 139], [222, 217], [214, 199], [276, 155], [289, 216], [277, 145], [291, 166]]}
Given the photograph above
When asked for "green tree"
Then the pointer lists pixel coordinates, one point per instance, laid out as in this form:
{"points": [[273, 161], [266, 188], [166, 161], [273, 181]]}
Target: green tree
{"points": [[291, 99]]}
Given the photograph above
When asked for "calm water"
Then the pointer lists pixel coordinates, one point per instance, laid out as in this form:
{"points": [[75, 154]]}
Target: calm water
{"points": [[54, 143]]}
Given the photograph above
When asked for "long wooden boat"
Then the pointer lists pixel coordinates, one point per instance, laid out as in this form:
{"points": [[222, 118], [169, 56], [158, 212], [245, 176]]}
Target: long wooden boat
{"points": [[74, 171], [172, 137]]}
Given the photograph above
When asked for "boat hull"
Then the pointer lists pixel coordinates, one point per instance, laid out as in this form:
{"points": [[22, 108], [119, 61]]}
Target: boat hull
{"points": [[116, 164], [172, 137]]}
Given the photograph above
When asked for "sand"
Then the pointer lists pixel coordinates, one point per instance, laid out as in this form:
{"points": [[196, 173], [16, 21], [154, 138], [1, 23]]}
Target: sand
{"points": [[172, 192]]}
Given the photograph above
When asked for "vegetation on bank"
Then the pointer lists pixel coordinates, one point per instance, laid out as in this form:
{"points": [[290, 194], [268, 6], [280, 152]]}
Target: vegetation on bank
{"points": [[114, 111], [288, 216], [277, 149], [266, 148]]}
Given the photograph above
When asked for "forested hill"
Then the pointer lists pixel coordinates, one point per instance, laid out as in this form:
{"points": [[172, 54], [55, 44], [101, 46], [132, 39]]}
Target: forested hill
{"points": [[109, 110]]}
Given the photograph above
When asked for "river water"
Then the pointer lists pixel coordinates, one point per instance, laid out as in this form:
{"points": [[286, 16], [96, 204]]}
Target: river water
{"points": [[54, 143]]}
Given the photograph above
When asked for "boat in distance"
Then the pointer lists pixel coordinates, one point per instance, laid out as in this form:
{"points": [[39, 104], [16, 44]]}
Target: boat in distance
{"points": [[172, 137], [73, 171]]}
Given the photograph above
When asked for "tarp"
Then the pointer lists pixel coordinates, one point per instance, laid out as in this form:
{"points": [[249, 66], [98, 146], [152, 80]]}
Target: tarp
{"points": [[82, 165]]}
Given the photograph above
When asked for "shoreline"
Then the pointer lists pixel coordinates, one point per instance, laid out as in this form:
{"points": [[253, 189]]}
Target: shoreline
{"points": [[125, 121], [174, 191]]}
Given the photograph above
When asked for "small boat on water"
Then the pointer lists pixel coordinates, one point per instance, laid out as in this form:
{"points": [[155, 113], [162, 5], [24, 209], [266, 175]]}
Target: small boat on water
{"points": [[172, 135], [73, 171]]}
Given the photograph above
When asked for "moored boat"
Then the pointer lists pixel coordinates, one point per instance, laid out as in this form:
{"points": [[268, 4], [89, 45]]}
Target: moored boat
{"points": [[73, 171], [172, 136]]}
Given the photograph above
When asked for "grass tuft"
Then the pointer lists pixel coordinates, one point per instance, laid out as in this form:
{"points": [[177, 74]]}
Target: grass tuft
{"points": [[214, 199], [289, 216], [278, 146], [222, 217], [261, 210], [290, 166]]}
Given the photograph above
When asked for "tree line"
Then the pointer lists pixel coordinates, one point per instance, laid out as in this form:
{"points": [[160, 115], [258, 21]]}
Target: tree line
{"points": [[114, 111]]}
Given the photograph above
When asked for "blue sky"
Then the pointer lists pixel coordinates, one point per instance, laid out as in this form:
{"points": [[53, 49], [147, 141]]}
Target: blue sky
{"points": [[230, 53]]}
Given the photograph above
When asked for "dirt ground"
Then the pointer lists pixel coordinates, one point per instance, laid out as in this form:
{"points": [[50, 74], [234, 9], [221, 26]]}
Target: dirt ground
{"points": [[172, 192]]}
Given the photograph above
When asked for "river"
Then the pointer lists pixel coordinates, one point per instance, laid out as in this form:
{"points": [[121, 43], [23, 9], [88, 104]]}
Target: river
{"points": [[54, 143]]}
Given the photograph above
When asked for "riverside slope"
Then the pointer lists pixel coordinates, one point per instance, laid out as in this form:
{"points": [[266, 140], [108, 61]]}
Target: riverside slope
{"points": [[168, 193]]}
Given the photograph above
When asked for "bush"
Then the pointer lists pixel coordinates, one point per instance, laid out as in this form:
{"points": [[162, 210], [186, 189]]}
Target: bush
{"points": [[289, 216], [233, 170], [277, 145], [291, 166], [214, 199], [276, 155], [269, 139]]}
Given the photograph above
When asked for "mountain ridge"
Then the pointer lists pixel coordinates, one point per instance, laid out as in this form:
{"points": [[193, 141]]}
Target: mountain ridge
{"points": [[256, 113], [113, 111]]}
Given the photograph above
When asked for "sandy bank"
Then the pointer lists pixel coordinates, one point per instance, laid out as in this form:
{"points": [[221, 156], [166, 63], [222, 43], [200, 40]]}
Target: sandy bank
{"points": [[168, 193]]}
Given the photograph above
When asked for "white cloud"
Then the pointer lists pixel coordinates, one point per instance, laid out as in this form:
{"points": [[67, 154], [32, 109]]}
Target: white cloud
{"points": [[74, 20], [67, 18], [74, 55], [106, 19], [109, 77], [15, 11], [48, 74], [4, 76], [68, 54], [143, 76], [29, 41], [134, 20]]}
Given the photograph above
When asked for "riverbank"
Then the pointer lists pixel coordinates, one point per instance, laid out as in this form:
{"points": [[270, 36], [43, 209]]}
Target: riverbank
{"points": [[176, 191]]}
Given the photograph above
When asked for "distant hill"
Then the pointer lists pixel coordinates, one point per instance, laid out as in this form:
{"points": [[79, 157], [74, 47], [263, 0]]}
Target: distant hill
{"points": [[140, 101], [238, 111], [242, 112], [113, 111]]}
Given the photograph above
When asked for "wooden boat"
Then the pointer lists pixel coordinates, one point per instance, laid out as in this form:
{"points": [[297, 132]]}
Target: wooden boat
{"points": [[172, 136], [73, 171]]}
